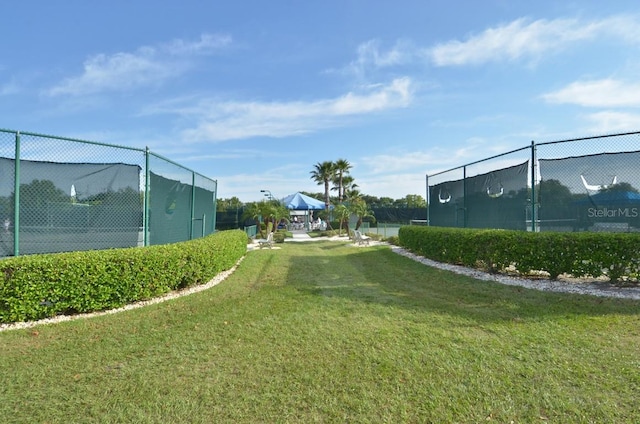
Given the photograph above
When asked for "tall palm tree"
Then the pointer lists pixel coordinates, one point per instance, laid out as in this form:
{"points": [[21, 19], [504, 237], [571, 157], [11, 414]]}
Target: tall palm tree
{"points": [[348, 185], [323, 173], [342, 188], [352, 194], [341, 168]]}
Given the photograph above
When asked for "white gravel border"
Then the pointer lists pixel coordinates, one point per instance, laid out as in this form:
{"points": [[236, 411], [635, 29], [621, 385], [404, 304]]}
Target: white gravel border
{"points": [[593, 289]]}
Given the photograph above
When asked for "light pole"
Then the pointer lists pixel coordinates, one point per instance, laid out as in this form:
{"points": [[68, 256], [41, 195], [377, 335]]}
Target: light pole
{"points": [[267, 193]]}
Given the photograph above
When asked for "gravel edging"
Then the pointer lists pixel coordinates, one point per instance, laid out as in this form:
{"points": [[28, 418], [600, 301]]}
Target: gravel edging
{"points": [[592, 289]]}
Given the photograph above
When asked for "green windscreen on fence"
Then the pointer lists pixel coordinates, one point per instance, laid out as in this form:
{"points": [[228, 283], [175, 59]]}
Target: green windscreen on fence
{"points": [[169, 211], [204, 219], [590, 193], [446, 204], [496, 199], [398, 215], [71, 206], [59, 194], [171, 217]]}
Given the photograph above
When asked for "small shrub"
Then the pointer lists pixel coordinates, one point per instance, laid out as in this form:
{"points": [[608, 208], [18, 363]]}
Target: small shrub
{"points": [[279, 236]]}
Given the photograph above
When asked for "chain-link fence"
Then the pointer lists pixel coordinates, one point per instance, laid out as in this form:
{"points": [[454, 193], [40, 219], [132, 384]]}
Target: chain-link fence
{"points": [[582, 184], [60, 194]]}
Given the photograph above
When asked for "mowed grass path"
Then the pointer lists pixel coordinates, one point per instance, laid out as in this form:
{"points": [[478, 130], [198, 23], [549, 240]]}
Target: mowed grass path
{"points": [[325, 332]]}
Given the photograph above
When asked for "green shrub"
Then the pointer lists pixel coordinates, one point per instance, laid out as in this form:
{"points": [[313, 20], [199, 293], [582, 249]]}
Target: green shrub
{"points": [[40, 286], [279, 236], [615, 255]]}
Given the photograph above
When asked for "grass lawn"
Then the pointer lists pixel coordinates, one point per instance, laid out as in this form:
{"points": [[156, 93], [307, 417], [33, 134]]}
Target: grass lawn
{"points": [[326, 332]]}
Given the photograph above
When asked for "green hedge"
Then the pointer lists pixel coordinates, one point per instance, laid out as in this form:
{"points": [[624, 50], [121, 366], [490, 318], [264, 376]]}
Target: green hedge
{"points": [[583, 254], [41, 286]]}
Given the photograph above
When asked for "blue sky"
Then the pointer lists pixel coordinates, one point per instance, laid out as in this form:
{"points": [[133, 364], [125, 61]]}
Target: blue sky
{"points": [[254, 93]]}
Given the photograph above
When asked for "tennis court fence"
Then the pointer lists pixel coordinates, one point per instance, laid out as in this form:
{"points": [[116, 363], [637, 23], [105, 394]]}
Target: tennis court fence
{"points": [[61, 194], [581, 184]]}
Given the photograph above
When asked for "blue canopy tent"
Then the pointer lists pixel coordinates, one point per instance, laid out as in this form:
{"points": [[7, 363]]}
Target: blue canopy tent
{"points": [[302, 202], [302, 207]]}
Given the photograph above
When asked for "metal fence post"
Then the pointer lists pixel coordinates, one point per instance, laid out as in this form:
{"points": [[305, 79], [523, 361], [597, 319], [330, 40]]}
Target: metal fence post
{"points": [[146, 198], [193, 204], [533, 186], [215, 209], [16, 198], [428, 199], [464, 196]]}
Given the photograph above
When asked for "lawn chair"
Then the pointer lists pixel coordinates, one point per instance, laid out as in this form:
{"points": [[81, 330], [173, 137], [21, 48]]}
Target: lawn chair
{"points": [[268, 242], [360, 239]]}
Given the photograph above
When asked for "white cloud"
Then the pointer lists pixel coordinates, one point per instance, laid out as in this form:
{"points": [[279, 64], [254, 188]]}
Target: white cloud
{"points": [[218, 121], [625, 28], [598, 93], [207, 44], [369, 52], [147, 66], [608, 122], [437, 158], [118, 72], [523, 39], [396, 94], [370, 55]]}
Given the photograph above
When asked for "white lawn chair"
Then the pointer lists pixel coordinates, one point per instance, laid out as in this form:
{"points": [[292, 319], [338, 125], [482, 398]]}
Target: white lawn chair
{"points": [[268, 242], [360, 239]]}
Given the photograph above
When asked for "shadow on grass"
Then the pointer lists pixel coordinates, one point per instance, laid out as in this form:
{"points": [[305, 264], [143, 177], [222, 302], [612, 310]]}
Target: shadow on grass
{"points": [[377, 275]]}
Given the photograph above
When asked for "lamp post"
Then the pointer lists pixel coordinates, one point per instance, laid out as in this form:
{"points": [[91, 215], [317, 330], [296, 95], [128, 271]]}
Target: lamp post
{"points": [[267, 193]]}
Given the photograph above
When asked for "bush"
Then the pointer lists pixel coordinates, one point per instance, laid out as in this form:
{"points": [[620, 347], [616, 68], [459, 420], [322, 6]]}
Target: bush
{"points": [[393, 240], [279, 236], [614, 255], [40, 286]]}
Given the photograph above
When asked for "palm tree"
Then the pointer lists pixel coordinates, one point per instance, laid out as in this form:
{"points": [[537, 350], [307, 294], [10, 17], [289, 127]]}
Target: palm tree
{"points": [[323, 173], [348, 185], [270, 212], [342, 213], [352, 194], [360, 208], [253, 211], [341, 168]]}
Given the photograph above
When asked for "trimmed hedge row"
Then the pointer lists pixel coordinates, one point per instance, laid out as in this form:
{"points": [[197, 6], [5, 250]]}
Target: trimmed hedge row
{"points": [[583, 254], [41, 286]]}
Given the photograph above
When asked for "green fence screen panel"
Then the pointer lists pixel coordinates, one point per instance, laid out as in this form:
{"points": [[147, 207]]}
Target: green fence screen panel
{"points": [[60, 194], [495, 199], [581, 184], [590, 192], [170, 210]]}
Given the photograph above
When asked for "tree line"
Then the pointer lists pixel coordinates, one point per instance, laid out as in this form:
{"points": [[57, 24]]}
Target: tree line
{"points": [[341, 196]]}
